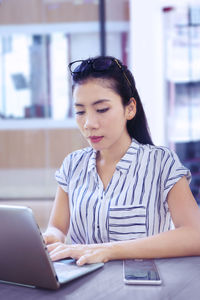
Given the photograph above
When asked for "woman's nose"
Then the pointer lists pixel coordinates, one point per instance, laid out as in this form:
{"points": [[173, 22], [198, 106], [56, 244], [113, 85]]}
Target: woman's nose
{"points": [[90, 122]]}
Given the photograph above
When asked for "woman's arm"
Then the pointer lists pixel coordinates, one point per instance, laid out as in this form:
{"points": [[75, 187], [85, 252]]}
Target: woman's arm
{"points": [[184, 240], [59, 220]]}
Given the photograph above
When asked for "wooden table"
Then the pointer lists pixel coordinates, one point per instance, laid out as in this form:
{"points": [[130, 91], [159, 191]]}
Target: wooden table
{"points": [[181, 281]]}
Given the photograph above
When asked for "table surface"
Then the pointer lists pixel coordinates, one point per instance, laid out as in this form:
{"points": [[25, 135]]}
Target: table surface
{"points": [[180, 276]]}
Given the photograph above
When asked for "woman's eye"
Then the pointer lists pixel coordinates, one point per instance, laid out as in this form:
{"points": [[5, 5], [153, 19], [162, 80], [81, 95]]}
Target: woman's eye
{"points": [[103, 110], [79, 113]]}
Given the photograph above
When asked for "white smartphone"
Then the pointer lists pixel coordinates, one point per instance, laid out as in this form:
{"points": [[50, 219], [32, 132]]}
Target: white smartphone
{"points": [[141, 271]]}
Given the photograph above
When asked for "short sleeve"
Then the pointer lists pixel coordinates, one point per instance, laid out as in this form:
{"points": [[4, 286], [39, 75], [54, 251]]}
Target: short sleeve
{"points": [[173, 170], [62, 175]]}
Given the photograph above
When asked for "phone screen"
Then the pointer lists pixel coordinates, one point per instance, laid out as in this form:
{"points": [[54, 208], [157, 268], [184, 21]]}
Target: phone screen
{"points": [[142, 271]]}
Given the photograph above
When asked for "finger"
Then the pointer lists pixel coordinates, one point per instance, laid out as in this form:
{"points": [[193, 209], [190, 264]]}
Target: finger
{"points": [[47, 238], [88, 258], [82, 260], [91, 257], [74, 250], [53, 246], [56, 248], [61, 253]]}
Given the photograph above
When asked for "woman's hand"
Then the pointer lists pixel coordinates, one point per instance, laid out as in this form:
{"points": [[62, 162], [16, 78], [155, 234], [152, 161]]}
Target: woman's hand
{"points": [[50, 238], [53, 235], [84, 254]]}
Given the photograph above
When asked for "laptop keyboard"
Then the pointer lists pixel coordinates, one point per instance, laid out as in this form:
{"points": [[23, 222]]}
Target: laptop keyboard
{"points": [[67, 270]]}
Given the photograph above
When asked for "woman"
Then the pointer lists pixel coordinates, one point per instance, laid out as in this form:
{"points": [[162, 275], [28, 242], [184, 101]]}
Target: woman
{"points": [[117, 198]]}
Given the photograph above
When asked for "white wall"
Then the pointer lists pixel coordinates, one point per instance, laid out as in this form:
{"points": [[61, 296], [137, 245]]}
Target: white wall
{"points": [[147, 62]]}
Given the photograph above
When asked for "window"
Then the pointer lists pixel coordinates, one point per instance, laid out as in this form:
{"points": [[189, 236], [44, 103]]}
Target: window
{"points": [[183, 85], [34, 78]]}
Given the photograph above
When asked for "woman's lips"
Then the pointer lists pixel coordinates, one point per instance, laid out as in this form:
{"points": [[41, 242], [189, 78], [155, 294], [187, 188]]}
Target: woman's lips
{"points": [[95, 139]]}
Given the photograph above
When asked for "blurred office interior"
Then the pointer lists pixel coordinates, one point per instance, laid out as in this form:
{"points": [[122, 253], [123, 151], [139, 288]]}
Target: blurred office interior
{"points": [[159, 40]]}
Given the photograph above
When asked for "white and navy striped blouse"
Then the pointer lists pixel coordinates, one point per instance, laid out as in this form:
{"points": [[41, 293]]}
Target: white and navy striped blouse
{"points": [[134, 203]]}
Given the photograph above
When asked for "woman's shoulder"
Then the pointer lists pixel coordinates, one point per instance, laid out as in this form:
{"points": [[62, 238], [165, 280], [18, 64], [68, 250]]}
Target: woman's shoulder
{"points": [[82, 152], [153, 148], [79, 155], [159, 153]]}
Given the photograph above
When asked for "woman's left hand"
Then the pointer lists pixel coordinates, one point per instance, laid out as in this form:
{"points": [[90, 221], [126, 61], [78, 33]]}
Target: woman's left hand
{"points": [[84, 254]]}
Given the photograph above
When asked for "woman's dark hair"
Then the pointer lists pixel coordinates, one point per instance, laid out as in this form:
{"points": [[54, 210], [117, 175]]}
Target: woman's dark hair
{"points": [[122, 82]]}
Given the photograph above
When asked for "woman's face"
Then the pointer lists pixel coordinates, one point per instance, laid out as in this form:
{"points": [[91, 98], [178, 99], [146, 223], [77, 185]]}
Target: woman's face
{"points": [[100, 115]]}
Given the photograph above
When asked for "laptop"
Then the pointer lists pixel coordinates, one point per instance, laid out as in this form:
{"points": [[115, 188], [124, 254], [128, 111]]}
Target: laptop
{"points": [[24, 259]]}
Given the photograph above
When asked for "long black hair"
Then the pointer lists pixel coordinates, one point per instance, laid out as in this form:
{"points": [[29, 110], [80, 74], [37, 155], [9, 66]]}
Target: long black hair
{"points": [[122, 82]]}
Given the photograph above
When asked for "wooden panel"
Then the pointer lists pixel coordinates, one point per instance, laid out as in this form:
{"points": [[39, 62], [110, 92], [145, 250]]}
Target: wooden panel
{"points": [[39, 11], [36, 11], [68, 12], [62, 142], [21, 149], [21, 11], [37, 148], [117, 10]]}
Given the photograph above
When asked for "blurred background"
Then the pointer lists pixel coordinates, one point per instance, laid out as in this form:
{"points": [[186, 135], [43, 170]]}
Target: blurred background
{"points": [[160, 42]]}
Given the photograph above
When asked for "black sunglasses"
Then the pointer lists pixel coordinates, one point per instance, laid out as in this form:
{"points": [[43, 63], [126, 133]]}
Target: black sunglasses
{"points": [[98, 64]]}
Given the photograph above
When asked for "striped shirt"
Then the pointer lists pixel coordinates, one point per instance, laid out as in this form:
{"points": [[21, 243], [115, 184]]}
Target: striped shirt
{"points": [[133, 205]]}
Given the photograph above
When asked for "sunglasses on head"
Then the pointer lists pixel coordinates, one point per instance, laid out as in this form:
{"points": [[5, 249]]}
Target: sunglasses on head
{"points": [[98, 64]]}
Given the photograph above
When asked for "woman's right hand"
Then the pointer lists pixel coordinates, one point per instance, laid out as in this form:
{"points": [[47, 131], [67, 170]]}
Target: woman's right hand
{"points": [[50, 238], [53, 235]]}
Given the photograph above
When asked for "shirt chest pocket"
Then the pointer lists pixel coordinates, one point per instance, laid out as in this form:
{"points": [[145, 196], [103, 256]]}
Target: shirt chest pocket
{"points": [[127, 222]]}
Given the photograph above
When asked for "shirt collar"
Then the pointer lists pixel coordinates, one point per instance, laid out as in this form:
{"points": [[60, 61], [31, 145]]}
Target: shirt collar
{"points": [[92, 161], [124, 164]]}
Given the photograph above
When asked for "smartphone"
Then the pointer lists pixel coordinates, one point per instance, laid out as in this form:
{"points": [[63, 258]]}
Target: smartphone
{"points": [[141, 271]]}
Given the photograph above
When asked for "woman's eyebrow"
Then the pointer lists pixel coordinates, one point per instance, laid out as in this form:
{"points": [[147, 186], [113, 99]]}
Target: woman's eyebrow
{"points": [[94, 103], [100, 101], [78, 104]]}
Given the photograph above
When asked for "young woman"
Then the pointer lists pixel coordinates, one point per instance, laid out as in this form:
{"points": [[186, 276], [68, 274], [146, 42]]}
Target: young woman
{"points": [[122, 197]]}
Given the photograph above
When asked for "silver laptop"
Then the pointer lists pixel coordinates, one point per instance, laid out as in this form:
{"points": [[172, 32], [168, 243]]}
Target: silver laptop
{"points": [[24, 258]]}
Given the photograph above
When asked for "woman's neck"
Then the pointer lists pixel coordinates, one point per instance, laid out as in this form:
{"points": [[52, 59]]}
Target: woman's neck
{"points": [[115, 153]]}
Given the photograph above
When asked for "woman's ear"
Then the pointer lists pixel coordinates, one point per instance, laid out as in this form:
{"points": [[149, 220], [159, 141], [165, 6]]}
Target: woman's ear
{"points": [[131, 109]]}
